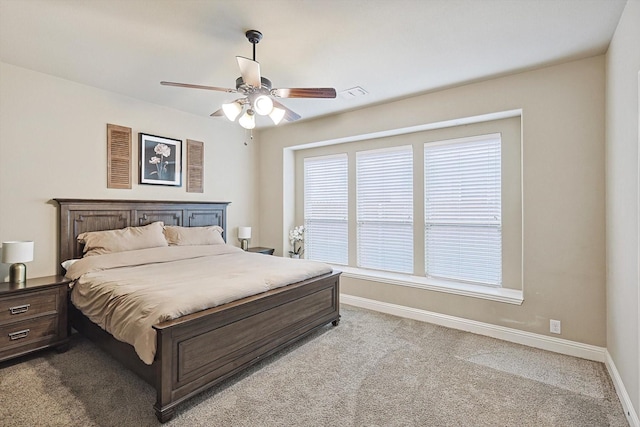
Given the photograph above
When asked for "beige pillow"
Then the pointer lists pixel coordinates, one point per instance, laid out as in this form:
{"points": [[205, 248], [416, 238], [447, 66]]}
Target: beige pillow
{"points": [[125, 239], [185, 236]]}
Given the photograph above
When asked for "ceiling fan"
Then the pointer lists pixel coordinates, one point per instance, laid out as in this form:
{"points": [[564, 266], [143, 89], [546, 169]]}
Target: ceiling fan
{"points": [[258, 92]]}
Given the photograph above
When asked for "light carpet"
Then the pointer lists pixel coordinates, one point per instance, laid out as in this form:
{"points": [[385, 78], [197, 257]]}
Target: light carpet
{"points": [[372, 370]]}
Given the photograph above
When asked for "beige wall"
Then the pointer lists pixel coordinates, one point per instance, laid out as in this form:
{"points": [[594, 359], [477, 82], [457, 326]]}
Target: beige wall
{"points": [[53, 144], [563, 192], [623, 282]]}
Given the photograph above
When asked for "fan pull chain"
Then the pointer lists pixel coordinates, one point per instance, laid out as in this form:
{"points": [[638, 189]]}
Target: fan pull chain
{"points": [[250, 137]]}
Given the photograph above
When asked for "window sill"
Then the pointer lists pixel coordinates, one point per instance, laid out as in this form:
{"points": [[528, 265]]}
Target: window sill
{"points": [[509, 296]]}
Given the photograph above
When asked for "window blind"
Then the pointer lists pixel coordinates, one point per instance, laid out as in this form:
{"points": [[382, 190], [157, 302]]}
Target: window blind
{"points": [[463, 210], [326, 209], [384, 202]]}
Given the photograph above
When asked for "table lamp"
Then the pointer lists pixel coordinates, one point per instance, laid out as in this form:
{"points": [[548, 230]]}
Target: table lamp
{"points": [[244, 234], [17, 253]]}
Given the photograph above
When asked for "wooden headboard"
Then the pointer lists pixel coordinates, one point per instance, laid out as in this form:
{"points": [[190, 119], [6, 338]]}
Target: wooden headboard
{"points": [[80, 215]]}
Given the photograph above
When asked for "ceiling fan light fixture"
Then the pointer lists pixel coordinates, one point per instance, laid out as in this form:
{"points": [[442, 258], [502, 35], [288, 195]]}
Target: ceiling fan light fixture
{"points": [[277, 114], [232, 110], [263, 105], [258, 93], [248, 120]]}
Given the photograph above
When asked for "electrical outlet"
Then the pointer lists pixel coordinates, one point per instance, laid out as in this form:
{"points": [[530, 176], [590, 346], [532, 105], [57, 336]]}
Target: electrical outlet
{"points": [[554, 326]]}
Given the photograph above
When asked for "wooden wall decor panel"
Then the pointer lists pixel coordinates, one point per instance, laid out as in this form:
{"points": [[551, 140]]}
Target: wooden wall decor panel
{"points": [[195, 166], [118, 157]]}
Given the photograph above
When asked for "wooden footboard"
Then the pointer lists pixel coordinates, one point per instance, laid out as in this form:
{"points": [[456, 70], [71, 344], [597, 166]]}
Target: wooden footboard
{"points": [[200, 350]]}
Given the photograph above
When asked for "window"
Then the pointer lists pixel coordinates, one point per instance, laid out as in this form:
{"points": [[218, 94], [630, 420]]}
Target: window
{"points": [[463, 210], [325, 208], [384, 199], [450, 219]]}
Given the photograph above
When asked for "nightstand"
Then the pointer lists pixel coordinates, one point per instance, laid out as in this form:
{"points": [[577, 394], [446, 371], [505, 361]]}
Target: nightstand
{"points": [[261, 250], [33, 316]]}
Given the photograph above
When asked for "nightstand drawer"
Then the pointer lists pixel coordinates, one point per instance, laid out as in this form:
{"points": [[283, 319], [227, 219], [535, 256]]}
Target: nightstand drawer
{"points": [[27, 305], [20, 333], [33, 316]]}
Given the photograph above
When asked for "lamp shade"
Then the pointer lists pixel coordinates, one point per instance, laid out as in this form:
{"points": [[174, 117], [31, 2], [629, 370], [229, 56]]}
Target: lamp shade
{"points": [[263, 105], [244, 232], [248, 120], [15, 252], [232, 110], [277, 114]]}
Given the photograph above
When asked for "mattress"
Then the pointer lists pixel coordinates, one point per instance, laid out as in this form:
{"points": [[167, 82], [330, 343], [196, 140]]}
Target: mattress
{"points": [[126, 293]]}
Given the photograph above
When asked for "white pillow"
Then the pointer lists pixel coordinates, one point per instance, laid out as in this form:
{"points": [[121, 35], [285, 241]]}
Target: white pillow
{"points": [[125, 239], [186, 236], [68, 263]]}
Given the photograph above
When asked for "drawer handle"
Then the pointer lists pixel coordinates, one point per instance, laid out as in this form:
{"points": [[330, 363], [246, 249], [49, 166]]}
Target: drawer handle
{"points": [[19, 309], [19, 334]]}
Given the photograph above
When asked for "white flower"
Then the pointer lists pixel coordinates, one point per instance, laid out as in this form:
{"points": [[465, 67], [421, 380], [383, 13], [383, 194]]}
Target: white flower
{"points": [[154, 160], [163, 150], [296, 235]]}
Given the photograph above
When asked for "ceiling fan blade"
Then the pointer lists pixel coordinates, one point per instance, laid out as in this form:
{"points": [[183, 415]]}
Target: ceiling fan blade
{"points": [[217, 113], [250, 71], [319, 92], [187, 85], [289, 115]]}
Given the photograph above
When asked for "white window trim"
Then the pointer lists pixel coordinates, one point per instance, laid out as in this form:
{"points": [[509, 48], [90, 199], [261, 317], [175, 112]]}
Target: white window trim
{"points": [[504, 295]]}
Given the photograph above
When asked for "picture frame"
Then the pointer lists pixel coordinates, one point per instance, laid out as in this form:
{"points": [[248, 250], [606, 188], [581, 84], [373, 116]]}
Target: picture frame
{"points": [[160, 160]]}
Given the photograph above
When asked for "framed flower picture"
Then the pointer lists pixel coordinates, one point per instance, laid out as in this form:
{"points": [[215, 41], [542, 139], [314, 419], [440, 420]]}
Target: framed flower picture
{"points": [[160, 160]]}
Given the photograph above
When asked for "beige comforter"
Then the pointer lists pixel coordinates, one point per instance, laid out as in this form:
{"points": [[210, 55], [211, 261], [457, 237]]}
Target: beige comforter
{"points": [[128, 292]]}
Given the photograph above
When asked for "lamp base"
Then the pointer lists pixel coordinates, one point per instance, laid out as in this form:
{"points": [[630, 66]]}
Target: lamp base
{"points": [[18, 273], [244, 244]]}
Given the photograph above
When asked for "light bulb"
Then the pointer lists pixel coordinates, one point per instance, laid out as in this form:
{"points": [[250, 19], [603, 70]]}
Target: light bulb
{"points": [[277, 114], [248, 120], [263, 105], [232, 110]]}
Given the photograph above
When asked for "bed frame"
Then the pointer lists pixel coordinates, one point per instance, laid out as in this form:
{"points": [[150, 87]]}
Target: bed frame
{"points": [[198, 351]]}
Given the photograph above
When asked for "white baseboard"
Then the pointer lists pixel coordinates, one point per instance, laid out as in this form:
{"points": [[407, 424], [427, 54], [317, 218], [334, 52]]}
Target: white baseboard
{"points": [[557, 345], [627, 406]]}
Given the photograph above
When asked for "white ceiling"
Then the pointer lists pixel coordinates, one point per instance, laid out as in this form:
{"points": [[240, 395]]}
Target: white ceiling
{"points": [[391, 48]]}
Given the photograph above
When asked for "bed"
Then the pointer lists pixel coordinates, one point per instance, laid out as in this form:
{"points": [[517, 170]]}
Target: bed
{"points": [[188, 356]]}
